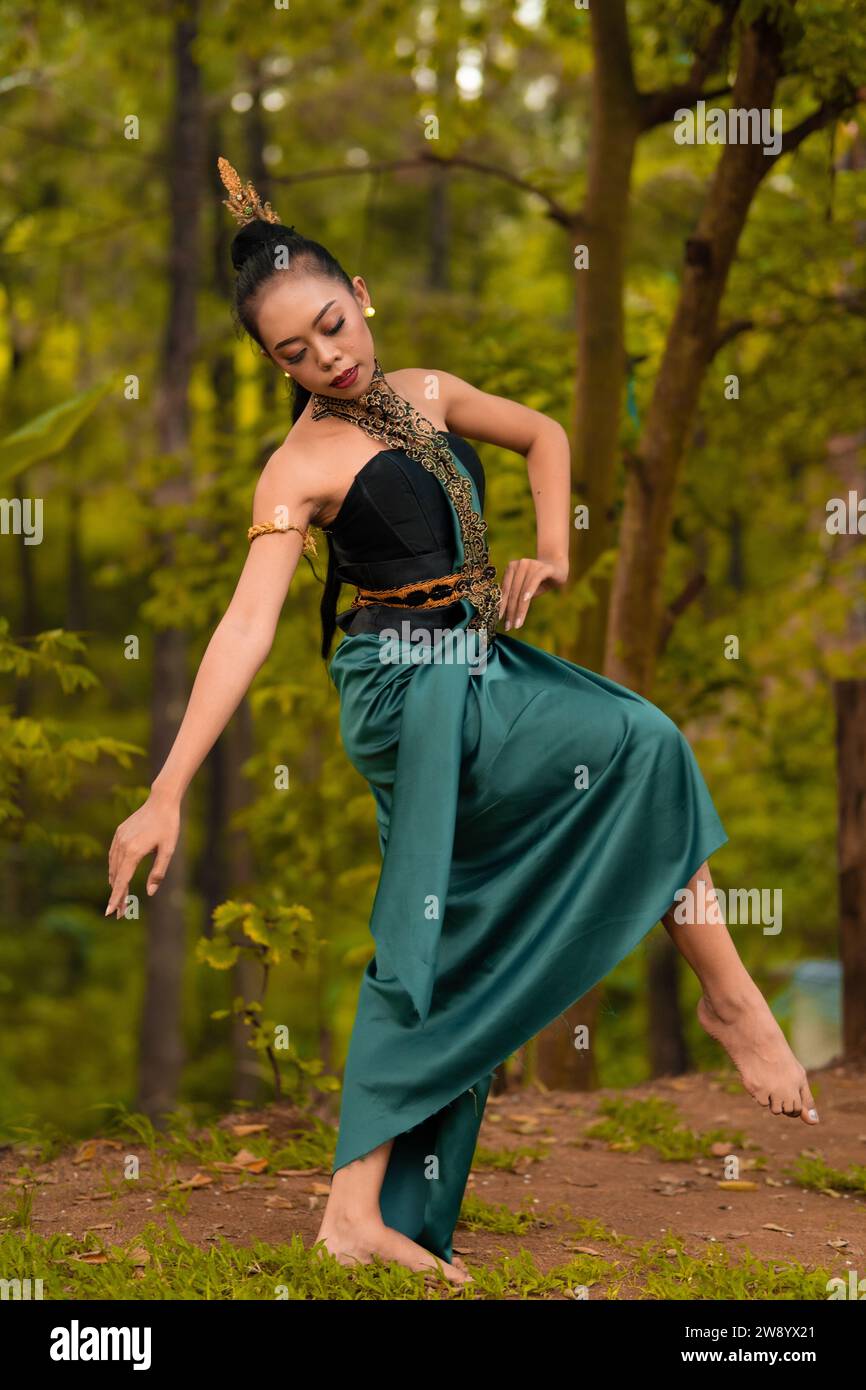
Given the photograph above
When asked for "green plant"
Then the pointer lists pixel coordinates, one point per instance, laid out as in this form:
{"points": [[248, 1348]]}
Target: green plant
{"points": [[265, 935]]}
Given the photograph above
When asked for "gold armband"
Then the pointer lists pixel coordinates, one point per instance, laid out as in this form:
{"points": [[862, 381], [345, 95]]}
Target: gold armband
{"points": [[309, 541]]}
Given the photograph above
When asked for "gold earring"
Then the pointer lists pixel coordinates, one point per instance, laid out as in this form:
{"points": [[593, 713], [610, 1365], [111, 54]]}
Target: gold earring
{"points": [[369, 311]]}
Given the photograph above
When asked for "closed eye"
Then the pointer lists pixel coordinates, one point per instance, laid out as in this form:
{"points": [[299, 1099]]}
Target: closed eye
{"points": [[330, 332]]}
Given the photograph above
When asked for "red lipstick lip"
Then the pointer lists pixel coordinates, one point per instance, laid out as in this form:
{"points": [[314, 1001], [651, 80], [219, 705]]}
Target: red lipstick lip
{"points": [[346, 378]]}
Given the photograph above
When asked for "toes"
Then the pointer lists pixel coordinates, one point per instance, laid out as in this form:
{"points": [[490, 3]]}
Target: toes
{"points": [[809, 1113]]}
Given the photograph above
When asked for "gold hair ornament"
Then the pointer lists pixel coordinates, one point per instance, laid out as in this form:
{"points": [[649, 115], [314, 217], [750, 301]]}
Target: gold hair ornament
{"points": [[243, 201]]}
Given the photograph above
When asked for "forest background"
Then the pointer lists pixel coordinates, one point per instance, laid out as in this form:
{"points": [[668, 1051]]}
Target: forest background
{"points": [[513, 184]]}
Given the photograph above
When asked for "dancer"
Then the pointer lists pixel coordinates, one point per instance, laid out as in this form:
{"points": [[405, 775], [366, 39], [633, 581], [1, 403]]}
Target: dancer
{"points": [[535, 818]]}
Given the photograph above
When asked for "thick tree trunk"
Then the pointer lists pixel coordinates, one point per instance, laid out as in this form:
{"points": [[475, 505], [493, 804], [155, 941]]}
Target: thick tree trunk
{"points": [[636, 600], [598, 399], [850, 697], [161, 1038], [669, 1055], [601, 357]]}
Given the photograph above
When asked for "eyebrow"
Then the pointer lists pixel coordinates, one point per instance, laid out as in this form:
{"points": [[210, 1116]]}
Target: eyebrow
{"points": [[324, 309]]}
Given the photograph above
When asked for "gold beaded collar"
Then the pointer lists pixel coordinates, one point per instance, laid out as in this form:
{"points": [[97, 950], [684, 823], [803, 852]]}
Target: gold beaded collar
{"points": [[384, 414]]}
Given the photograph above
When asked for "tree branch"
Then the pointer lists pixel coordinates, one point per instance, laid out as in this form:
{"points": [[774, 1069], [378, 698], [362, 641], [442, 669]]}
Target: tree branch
{"points": [[678, 606], [828, 111], [658, 107], [555, 210]]}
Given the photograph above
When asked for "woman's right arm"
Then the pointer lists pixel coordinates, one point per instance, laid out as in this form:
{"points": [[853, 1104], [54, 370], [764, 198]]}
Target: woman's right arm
{"points": [[238, 648]]}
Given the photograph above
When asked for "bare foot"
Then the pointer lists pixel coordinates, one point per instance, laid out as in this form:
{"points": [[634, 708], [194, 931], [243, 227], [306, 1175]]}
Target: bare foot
{"points": [[357, 1242], [758, 1049]]}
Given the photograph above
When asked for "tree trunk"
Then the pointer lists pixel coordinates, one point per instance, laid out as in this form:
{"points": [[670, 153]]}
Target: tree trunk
{"points": [[614, 128], [850, 698], [636, 600], [161, 1038], [598, 400], [246, 975], [669, 1055]]}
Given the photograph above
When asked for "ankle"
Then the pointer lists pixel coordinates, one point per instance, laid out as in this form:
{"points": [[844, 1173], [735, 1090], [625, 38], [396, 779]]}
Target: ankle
{"points": [[729, 1004], [351, 1217]]}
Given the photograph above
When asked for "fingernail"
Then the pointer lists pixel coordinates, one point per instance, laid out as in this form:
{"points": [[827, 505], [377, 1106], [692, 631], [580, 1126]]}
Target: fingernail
{"points": [[507, 626], [813, 1114], [150, 889], [519, 623], [107, 910]]}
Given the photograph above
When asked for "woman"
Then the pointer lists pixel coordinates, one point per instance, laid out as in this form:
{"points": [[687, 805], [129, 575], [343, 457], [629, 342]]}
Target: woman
{"points": [[535, 819]]}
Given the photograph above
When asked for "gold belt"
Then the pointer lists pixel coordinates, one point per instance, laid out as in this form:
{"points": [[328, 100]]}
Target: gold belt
{"points": [[432, 593]]}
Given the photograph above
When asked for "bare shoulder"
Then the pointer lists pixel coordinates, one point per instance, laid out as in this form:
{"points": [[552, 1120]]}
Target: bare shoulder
{"points": [[288, 483], [475, 414], [428, 390]]}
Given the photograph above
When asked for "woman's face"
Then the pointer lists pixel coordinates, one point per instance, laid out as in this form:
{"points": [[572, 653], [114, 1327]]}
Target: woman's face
{"points": [[315, 330]]}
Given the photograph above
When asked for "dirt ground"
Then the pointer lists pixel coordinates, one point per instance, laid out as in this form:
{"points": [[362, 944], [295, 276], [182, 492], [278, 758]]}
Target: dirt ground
{"points": [[634, 1194]]}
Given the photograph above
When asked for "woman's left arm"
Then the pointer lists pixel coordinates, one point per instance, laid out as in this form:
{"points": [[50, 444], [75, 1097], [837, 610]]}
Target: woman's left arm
{"points": [[544, 443]]}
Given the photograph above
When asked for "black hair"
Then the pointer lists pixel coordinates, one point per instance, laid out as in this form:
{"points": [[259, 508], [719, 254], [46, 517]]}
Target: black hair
{"points": [[260, 251]]}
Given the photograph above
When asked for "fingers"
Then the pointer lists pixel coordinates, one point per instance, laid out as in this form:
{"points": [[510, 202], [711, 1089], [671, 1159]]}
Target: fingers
{"points": [[112, 856], [519, 585], [117, 901], [127, 861], [160, 867]]}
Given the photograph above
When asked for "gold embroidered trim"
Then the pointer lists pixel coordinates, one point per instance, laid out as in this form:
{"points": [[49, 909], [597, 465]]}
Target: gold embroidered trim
{"points": [[265, 526], [452, 585], [385, 415]]}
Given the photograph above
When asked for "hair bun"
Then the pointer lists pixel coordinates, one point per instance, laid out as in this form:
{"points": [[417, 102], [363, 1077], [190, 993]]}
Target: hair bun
{"points": [[258, 234]]}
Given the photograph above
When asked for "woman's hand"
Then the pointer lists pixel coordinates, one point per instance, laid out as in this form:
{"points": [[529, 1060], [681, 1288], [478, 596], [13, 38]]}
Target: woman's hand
{"points": [[155, 825], [523, 579]]}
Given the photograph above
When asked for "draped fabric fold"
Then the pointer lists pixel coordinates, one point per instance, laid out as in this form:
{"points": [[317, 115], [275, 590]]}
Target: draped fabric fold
{"points": [[536, 820], [412, 893]]}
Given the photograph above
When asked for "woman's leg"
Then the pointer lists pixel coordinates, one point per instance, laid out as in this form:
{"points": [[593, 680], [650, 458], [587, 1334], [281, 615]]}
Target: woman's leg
{"points": [[352, 1228], [734, 1012]]}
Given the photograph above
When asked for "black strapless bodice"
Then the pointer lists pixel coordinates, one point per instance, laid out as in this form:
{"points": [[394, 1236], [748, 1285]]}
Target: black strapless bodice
{"points": [[395, 525]]}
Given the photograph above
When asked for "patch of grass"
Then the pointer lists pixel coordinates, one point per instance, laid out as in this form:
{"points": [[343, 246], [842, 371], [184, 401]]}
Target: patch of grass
{"points": [[815, 1173], [504, 1160], [39, 1144], [308, 1145], [479, 1215], [630, 1124], [588, 1228], [17, 1214], [160, 1263], [665, 1271]]}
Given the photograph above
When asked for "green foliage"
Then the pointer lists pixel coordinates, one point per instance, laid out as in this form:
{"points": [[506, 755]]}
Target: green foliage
{"points": [[44, 753], [632, 1124], [48, 433], [469, 274], [809, 1171], [265, 935]]}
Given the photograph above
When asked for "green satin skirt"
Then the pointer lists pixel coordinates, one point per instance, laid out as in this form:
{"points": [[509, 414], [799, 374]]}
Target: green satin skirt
{"points": [[536, 820]]}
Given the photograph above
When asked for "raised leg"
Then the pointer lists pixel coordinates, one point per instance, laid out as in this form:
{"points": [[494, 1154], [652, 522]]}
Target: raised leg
{"points": [[734, 1012], [352, 1228]]}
